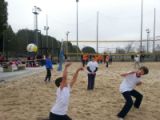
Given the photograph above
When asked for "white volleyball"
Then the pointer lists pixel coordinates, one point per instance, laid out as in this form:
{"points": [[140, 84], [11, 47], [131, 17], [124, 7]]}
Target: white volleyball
{"points": [[32, 47]]}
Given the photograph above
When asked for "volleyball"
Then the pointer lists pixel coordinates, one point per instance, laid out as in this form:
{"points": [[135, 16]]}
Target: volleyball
{"points": [[32, 47]]}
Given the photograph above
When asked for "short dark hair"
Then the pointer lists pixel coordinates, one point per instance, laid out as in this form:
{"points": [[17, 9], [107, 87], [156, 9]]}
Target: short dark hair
{"points": [[58, 81], [145, 69]]}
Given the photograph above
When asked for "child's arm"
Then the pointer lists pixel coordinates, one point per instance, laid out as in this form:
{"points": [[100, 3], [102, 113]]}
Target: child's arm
{"points": [[139, 83], [125, 74], [75, 76], [64, 81]]}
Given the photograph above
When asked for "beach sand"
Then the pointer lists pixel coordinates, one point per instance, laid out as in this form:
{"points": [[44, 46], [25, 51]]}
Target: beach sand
{"points": [[29, 98]]}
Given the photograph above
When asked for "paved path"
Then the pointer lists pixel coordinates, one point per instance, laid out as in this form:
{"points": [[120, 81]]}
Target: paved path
{"points": [[18, 74]]}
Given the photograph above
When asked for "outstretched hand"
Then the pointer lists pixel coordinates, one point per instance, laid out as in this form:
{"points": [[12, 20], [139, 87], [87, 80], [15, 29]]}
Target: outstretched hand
{"points": [[76, 75], [68, 64], [80, 69]]}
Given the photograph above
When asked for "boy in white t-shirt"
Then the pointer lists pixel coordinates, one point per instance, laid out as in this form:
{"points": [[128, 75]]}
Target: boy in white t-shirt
{"points": [[92, 68], [60, 108], [137, 61], [131, 79]]}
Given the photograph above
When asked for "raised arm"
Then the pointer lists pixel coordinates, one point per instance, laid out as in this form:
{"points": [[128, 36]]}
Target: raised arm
{"points": [[75, 76], [64, 81], [140, 83], [125, 74]]}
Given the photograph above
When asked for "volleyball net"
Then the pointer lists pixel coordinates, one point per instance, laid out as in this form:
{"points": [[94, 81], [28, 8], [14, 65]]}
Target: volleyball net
{"points": [[120, 50]]}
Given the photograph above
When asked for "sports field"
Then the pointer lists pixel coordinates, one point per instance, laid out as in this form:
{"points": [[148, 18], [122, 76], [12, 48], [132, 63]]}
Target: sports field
{"points": [[29, 98]]}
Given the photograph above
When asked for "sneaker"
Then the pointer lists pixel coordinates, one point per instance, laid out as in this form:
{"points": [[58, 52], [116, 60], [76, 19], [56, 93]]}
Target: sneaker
{"points": [[121, 119]]}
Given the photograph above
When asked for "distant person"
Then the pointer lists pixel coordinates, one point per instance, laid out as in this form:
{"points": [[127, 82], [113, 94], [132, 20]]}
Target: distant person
{"points": [[104, 58], [110, 59], [107, 60], [49, 67], [60, 108], [132, 57], [142, 56], [137, 61], [84, 59], [131, 79], [92, 68]]}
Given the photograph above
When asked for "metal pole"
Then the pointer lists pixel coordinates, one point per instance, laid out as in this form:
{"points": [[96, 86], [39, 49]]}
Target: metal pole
{"points": [[77, 21], [141, 36], [77, 27], [97, 29], [46, 28], [154, 30], [148, 31], [36, 26], [67, 42], [36, 11]]}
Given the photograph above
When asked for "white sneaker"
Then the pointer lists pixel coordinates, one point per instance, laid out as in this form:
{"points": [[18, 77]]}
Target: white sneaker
{"points": [[121, 119]]}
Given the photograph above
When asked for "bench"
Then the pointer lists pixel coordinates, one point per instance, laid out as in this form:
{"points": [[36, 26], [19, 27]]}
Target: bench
{"points": [[7, 68], [21, 66]]}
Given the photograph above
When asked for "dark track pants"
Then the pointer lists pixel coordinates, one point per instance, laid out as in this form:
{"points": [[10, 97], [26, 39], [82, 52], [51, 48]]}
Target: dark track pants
{"points": [[58, 117], [91, 81], [48, 76], [129, 102]]}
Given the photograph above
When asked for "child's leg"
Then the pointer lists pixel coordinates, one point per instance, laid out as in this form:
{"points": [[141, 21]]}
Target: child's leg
{"points": [[107, 64], [53, 116], [139, 65], [49, 75], [127, 106], [89, 81], [46, 75], [92, 81], [58, 117], [138, 97], [134, 64], [66, 117]]}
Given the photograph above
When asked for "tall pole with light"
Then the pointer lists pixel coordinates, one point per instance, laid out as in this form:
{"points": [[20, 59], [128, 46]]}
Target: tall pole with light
{"points": [[141, 35], [77, 26], [97, 29], [46, 28], [36, 10], [154, 30], [77, 21]]}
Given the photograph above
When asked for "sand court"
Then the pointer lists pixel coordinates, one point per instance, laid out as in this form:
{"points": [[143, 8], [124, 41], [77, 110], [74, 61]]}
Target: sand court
{"points": [[29, 98]]}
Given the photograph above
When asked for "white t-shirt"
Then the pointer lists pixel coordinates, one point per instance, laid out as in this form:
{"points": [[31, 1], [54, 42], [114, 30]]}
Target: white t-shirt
{"points": [[129, 83], [62, 101], [92, 65], [137, 59]]}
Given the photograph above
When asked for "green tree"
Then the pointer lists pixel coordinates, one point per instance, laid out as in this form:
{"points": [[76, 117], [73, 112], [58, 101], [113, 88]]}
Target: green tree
{"points": [[88, 50], [3, 21], [10, 40]]}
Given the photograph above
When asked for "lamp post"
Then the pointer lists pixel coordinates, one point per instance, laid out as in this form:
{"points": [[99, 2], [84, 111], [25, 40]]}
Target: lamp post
{"points": [[148, 32], [67, 33], [77, 27], [40, 47], [77, 21], [97, 29], [141, 34], [154, 30], [46, 28], [36, 11]]}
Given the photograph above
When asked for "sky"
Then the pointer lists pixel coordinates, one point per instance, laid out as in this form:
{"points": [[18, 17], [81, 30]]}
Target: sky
{"points": [[118, 19]]}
